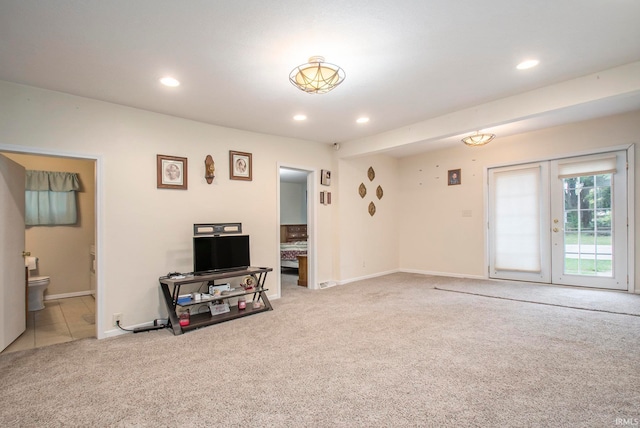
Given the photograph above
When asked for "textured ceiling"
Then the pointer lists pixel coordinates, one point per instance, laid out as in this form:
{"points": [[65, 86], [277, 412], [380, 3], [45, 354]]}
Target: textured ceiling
{"points": [[406, 61]]}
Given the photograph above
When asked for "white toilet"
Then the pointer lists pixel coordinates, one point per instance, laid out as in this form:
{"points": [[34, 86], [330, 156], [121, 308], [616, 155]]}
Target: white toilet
{"points": [[37, 285]]}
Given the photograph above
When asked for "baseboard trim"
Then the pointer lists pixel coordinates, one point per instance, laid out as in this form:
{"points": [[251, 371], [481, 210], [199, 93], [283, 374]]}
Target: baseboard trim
{"points": [[447, 274], [68, 295], [361, 278]]}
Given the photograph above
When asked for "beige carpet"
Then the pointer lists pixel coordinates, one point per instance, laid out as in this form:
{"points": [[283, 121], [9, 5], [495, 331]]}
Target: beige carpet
{"points": [[393, 351]]}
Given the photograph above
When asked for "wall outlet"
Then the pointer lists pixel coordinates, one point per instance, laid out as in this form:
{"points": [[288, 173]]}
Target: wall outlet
{"points": [[116, 317]]}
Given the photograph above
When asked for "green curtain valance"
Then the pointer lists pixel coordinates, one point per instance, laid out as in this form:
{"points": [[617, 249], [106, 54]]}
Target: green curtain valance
{"points": [[52, 181], [50, 198]]}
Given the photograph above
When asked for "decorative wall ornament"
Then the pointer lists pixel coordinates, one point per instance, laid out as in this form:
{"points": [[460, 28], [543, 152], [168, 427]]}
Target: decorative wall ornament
{"points": [[379, 192], [371, 173], [171, 172], [372, 209], [209, 169], [325, 177], [362, 190]]}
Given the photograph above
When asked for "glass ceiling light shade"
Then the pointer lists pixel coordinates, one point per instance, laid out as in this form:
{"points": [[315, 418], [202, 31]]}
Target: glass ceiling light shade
{"points": [[316, 76], [478, 139]]}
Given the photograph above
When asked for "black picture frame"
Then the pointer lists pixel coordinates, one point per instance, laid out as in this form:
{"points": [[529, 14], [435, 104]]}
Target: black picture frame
{"points": [[454, 177]]}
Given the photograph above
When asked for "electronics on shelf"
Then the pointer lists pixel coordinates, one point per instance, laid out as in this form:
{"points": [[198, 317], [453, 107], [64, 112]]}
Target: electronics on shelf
{"points": [[220, 253]]}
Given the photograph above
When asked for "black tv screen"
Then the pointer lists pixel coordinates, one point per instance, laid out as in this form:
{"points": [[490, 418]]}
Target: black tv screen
{"points": [[220, 253]]}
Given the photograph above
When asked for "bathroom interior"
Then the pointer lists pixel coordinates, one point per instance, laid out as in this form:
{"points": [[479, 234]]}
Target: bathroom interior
{"points": [[61, 266]]}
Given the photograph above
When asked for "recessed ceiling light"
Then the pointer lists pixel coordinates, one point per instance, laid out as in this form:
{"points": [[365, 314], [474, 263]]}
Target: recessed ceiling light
{"points": [[527, 64], [169, 81], [363, 120], [299, 117]]}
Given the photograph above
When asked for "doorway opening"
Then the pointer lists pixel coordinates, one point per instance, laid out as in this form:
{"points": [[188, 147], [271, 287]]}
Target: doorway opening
{"points": [[66, 254], [295, 228]]}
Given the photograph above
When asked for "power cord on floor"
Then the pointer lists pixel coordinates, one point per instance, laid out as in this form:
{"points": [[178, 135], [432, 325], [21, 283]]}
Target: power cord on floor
{"points": [[157, 325], [120, 327]]}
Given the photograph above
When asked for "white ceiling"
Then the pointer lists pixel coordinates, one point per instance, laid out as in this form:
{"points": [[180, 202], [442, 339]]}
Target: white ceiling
{"points": [[405, 61]]}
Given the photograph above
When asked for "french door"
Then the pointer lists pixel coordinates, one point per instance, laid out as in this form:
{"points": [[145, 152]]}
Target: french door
{"points": [[562, 221]]}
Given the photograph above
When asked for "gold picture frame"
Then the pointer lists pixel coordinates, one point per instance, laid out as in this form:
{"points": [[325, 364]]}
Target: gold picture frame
{"points": [[240, 166], [171, 172]]}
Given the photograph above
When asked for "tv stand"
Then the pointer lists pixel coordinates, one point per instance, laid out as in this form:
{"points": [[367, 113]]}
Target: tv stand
{"points": [[171, 292]]}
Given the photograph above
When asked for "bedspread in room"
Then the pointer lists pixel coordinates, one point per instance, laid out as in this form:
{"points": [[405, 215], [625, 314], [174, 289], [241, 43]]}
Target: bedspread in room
{"points": [[291, 250]]}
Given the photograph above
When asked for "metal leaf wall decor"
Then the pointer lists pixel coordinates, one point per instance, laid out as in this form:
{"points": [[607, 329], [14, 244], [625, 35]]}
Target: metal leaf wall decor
{"points": [[379, 192], [371, 173], [362, 190], [372, 209]]}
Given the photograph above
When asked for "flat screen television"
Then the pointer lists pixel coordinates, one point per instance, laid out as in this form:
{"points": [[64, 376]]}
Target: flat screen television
{"points": [[220, 253]]}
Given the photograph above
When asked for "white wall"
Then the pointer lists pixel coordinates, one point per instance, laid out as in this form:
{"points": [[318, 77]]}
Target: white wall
{"points": [[443, 227], [367, 245], [145, 232], [293, 203], [420, 224]]}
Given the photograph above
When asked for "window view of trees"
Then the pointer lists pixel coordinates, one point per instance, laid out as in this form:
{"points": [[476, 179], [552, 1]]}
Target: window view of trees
{"points": [[587, 225]]}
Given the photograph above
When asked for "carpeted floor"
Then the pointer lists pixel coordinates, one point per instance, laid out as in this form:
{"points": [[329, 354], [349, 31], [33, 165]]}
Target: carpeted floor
{"points": [[394, 351]]}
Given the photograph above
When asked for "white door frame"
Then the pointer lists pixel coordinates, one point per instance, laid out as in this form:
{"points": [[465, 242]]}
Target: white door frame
{"points": [[99, 204], [312, 266]]}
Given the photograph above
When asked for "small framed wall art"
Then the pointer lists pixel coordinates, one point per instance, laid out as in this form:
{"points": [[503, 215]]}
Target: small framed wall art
{"points": [[240, 166], [171, 172], [454, 177], [325, 177], [325, 198]]}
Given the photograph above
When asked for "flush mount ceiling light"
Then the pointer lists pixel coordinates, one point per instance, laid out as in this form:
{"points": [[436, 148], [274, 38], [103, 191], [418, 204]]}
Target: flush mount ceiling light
{"points": [[316, 76], [478, 139]]}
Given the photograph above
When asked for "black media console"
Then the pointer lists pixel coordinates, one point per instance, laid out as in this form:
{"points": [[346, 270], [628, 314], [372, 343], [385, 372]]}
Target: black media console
{"points": [[171, 293]]}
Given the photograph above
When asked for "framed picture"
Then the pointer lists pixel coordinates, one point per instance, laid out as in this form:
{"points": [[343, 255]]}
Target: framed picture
{"points": [[172, 172], [454, 177], [325, 177], [325, 198], [240, 166]]}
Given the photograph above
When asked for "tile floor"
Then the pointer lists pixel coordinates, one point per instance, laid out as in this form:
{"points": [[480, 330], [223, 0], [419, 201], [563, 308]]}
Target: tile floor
{"points": [[60, 321]]}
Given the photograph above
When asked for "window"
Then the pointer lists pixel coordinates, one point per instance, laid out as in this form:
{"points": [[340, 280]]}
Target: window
{"points": [[51, 198]]}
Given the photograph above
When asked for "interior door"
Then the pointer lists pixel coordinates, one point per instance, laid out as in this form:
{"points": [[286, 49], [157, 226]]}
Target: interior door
{"points": [[12, 272], [589, 221]]}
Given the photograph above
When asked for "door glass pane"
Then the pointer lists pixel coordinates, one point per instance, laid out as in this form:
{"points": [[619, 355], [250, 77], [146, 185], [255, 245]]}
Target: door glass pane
{"points": [[588, 230]]}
